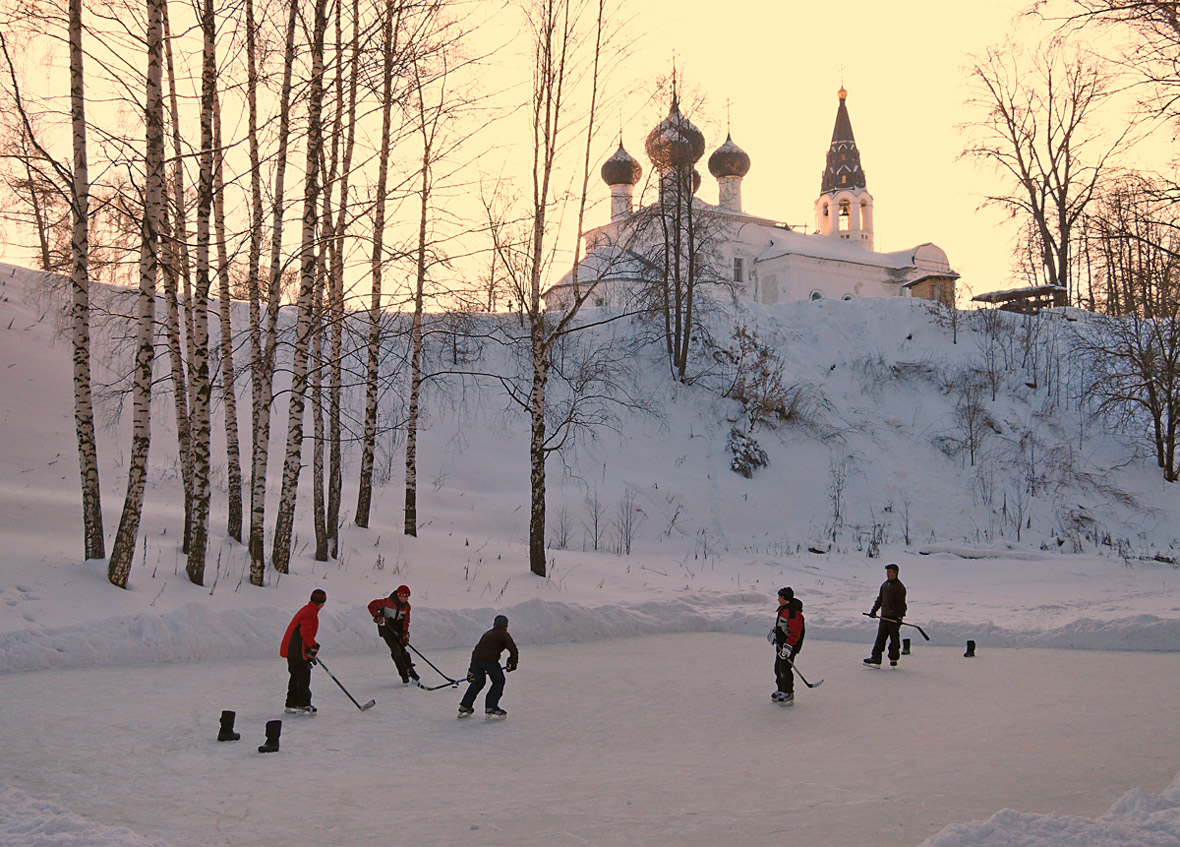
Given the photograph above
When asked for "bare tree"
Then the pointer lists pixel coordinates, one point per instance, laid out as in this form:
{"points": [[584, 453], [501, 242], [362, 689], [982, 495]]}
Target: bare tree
{"points": [[285, 518], [123, 548], [1039, 126], [559, 30], [390, 27], [1135, 353]]}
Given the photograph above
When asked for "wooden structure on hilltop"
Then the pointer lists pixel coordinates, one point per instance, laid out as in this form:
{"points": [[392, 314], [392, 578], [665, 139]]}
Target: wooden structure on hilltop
{"points": [[1029, 300]]}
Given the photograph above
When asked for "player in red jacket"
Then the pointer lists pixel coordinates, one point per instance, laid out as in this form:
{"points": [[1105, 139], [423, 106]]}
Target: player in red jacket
{"points": [[392, 616], [299, 648], [787, 637]]}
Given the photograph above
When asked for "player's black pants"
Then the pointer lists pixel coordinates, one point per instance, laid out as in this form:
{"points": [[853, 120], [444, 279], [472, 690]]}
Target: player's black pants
{"points": [[891, 631], [784, 675], [401, 659]]}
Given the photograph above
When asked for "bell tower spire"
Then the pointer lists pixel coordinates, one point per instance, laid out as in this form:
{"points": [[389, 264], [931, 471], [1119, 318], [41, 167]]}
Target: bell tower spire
{"points": [[844, 209]]}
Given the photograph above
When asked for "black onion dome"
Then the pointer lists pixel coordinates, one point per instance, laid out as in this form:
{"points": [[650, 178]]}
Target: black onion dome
{"points": [[696, 180], [675, 142], [729, 160], [621, 169]]}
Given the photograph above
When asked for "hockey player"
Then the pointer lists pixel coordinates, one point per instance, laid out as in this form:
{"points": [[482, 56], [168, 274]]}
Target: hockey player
{"points": [[392, 616], [787, 638], [485, 662], [891, 603], [299, 648]]}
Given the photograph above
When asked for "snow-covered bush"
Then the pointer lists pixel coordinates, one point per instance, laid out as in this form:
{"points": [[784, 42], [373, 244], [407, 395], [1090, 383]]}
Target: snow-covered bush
{"points": [[748, 456]]}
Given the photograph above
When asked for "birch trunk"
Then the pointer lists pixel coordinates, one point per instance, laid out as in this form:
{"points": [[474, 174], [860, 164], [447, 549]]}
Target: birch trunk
{"points": [[233, 457], [264, 378], [92, 532], [202, 384], [177, 282], [368, 448], [123, 548], [285, 519], [336, 283], [411, 504], [259, 397]]}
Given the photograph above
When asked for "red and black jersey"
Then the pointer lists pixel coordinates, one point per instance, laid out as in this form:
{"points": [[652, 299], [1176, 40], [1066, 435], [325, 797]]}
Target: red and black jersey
{"points": [[397, 615], [302, 628], [789, 628]]}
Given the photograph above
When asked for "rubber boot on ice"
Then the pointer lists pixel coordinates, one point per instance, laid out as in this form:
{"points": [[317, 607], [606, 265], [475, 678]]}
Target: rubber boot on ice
{"points": [[227, 727], [273, 728]]}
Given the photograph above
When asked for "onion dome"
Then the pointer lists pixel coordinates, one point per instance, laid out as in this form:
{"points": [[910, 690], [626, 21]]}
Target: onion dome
{"points": [[675, 142], [729, 160], [696, 180], [621, 169]]}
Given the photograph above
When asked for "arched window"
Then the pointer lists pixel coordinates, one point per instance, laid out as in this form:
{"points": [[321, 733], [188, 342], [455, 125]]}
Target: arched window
{"points": [[817, 295], [847, 296]]}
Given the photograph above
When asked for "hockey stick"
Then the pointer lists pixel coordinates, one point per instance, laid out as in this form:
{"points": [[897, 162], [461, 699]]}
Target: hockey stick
{"points": [[801, 679], [454, 684], [903, 623], [433, 665], [363, 708]]}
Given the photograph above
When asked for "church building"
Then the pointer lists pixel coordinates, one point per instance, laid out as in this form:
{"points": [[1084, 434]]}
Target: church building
{"points": [[762, 259]]}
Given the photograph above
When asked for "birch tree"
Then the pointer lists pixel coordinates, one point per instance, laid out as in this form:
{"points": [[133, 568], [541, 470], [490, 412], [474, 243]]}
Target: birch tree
{"points": [[202, 430], [390, 26], [557, 29], [123, 548], [233, 460], [284, 520], [264, 347]]}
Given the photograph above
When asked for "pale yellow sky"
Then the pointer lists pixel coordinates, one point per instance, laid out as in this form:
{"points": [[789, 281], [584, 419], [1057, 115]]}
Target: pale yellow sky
{"points": [[780, 65]]}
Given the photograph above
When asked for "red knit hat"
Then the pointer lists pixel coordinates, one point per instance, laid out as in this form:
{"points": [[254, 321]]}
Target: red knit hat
{"points": [[403, 589]]}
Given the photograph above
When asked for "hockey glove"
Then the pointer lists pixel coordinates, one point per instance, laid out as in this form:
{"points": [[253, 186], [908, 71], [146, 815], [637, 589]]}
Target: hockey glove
{"points": [[405, 639], [311, 651], [471, 676], [379, 620], [770, 636], [510, 667], [873, 613]]}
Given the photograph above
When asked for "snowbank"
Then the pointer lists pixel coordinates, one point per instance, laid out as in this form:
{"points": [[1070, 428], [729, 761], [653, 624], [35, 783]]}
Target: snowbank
{"points": [[1139, 819]]}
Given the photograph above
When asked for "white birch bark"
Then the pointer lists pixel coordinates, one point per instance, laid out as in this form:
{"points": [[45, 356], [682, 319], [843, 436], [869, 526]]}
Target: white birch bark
{"points": [[285, 519], [177, 270], [377, 263], [202, 429], [93, 542], [233, 459], [264, 380], [259, 396], [123, 548]]}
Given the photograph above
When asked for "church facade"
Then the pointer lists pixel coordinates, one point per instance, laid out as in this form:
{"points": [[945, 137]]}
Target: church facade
{"points": [[759, 258]]}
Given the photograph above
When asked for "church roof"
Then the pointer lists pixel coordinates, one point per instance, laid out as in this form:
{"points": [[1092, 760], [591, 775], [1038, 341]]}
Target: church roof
{"points": [[843, 169]]}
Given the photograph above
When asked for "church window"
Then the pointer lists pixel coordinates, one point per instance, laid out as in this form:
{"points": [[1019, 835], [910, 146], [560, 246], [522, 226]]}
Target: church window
{"points": [[817, 295], [847, 296], [737, 270]]}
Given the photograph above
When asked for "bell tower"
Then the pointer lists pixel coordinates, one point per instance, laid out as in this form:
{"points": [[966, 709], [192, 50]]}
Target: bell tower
{"points": [[844, 209]]}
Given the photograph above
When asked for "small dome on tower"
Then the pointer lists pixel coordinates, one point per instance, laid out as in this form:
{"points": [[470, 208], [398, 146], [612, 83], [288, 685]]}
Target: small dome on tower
{"points": [[675, 142], [621, 169], [729, 160]]}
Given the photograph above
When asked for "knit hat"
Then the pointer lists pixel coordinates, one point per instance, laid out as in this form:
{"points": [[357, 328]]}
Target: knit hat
{"points": [[319, 596], [403, 589], [501, 622], [891, 567], [786, 593]]}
